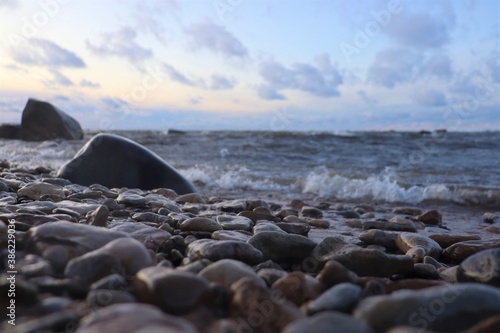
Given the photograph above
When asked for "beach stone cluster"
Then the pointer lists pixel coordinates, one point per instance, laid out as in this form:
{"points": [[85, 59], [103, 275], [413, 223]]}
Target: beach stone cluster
{"points": [[99, 259]]}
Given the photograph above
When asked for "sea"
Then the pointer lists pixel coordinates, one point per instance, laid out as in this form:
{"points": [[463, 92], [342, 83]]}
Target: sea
{"points": [[413, 168]]}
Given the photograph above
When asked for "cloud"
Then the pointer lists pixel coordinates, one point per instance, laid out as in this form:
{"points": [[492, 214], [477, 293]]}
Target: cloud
{"points": [[430, 97], [9, 3], [393, 66], [321, 79], [89, 84], [217, 39], [121, 44], [195, 100], [42, 52], [421, 30], [220, 82], [438, 65], [58, 79], [269, 93], [179, 77], [367, 99]]}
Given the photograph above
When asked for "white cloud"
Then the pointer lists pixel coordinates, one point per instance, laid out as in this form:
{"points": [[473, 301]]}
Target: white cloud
{"points": [[122, 44], [430, 97], [217, 39], [321, 79], [220, 82], [89, 84], [42, 52], [393, 66]]}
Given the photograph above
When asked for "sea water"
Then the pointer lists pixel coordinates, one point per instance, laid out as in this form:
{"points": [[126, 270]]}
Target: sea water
{"points": [[402, 167]]}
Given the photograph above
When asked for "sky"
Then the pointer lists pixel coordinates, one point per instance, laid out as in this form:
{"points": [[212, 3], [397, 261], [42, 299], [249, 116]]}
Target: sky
{"points": [[294, 65]]}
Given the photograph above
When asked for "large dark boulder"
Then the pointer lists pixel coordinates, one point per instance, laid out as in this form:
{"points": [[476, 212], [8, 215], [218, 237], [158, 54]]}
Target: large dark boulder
{"points": [[42, 121], [115, 161], [10, 131]]}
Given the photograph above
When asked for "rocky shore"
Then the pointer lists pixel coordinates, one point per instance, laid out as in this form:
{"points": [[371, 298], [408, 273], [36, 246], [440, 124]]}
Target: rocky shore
{"points": [[97, 259]]}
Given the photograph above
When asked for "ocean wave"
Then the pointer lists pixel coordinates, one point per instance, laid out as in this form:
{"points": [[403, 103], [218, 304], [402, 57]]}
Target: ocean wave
{"points": [[238, 177], [385, 187]]}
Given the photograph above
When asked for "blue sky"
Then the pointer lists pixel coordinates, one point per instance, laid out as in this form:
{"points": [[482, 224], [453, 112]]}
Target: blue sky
{"points": [[258, 65]]}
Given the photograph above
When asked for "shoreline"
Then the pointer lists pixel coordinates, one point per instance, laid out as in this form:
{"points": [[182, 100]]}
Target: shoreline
{"points": [[324, 229]]}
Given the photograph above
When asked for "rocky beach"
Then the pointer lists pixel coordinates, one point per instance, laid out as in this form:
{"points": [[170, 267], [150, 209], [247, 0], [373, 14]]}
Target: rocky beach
{"points": [[98, 259], [115, 239]]}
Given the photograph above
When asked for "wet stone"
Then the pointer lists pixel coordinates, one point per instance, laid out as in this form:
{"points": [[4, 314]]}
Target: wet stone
{"points": [[327, 322], [461, 250], [460, 306], [407, 242], [412, 211], [407, 226], [131, 199], [249, 298], [341, 297], [231, 235], [298, 287], [133, 317], [216, 250], [446, 240], [334, 273], [430, 217], [98, 217], [234, 222], [311, 212], [228, 271], [294, 228], [173, 291], [263, 225], [35, 190], [282, 247], [151, 237], [200, 224], [483, 267], [379, 237], [254, 216]]}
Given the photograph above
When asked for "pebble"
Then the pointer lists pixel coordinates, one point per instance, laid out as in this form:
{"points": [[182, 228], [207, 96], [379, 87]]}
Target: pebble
{"points": [[131, 199], [263, 225], [446, 240], [334, 273], [313, 212], [490, 218], [98, 217], [133, 318], [430, 217], [407, 211], [231, 235], [379, 237], [405, 225], [451, 307], [234, 222], [318, 223], [173, 291], [235, 206], [342, 297], [254, 216], [327, 322], [200, 224], [294, 228], [225, 249], [36, 189], [461, 250], [408, 243], [191, 198], [151, 237], [254, 306], [228, 271], [365, 262], [103, 298], [282, 247], [483, 267], [61, 241], [298, 287]]}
